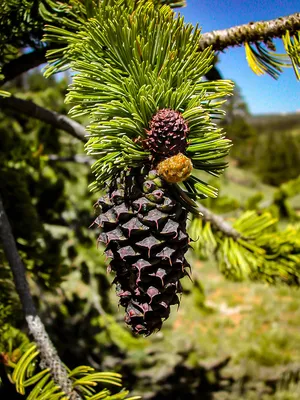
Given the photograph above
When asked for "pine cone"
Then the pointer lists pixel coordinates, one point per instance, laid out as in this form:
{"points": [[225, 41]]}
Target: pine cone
{"points": [[175, 169], [167, 135], [144, 231]]}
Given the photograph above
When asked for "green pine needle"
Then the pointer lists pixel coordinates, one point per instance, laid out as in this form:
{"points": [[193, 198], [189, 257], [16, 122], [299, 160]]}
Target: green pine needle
{"points": [[292, 47], [42, 386], [130, 60], [262, 61], [260, 253]]}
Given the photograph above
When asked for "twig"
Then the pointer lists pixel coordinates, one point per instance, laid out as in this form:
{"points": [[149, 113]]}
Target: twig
{"points": [[252, 32], [48, 353], [53, 118], [218, 222]]}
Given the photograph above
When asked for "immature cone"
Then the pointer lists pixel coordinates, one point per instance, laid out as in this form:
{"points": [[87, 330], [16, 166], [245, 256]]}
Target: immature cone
{"points": [[175, 169], [167, 134], [144, 230]]}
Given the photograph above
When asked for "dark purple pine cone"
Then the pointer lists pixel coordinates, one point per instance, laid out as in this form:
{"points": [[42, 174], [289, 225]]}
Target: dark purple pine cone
{"points": [[144, 231], [167, 134]]}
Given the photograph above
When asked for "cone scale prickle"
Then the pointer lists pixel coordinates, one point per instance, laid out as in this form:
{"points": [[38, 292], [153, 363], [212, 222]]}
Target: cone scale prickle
{"points": [[144, 231]]}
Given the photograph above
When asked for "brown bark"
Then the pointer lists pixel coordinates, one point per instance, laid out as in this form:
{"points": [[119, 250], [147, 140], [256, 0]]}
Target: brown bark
{"points": [[252, 32]]}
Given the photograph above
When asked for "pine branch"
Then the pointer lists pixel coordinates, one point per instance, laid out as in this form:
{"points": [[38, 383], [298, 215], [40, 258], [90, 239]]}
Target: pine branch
{"points": [[219, 40], [260, 253], [49, 356], [23, 64], [119, 96], [250, 33], [53, 118], [218, 222]]}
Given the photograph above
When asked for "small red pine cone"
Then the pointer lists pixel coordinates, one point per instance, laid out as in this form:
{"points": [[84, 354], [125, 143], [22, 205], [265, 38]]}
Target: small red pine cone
{"points": [[167, 134]]}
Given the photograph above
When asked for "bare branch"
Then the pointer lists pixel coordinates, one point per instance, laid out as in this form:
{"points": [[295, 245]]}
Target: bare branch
{"points": [[49, 356], [23, 64], [252, 32], [53, 118], [218, 222]]}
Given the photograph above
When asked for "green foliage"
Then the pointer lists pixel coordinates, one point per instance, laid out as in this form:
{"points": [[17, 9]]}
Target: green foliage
{"points": [[256, 324], [276, 123], [239, 130], [11, 339], [263, 59], [260, 252], [292, 47], [20, 25], [222, 204], [49, 207], [283, 165], [9, 312], [253, 201], [121, 87], [281, 198], [38, 384], [3, 93], [69, 16], [113, 332], [33, 192]]}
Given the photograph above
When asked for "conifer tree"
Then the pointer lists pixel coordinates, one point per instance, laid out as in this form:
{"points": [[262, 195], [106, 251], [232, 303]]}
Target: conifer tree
{"points": [[152, 124]]}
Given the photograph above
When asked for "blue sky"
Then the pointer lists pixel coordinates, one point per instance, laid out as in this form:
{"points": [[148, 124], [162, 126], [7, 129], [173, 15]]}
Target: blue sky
{"points": [[263, 94]]}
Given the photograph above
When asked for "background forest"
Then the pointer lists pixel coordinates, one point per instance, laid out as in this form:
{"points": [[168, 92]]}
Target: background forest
{"points": [[230, 339]]}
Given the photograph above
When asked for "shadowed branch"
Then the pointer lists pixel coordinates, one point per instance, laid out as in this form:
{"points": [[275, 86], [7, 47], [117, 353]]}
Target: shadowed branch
{"points": [[53, 118], [49, 356], [23, 64]]}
